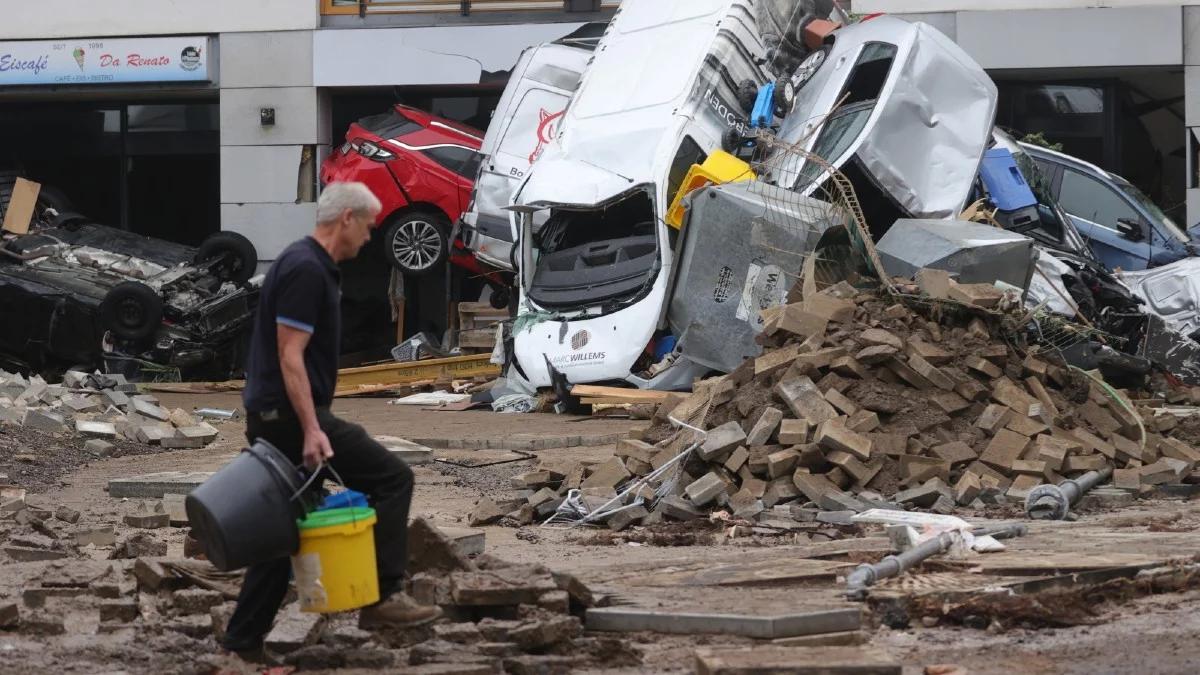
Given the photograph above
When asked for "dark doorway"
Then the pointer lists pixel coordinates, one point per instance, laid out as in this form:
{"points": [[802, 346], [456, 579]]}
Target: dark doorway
{"points": [[151, 169]]}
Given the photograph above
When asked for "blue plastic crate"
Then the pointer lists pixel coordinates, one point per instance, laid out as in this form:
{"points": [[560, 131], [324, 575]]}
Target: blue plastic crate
{"points": [[1004, 181]]}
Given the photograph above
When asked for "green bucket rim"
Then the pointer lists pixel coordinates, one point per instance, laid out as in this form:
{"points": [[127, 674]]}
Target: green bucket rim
{"points": [[347, 515]]}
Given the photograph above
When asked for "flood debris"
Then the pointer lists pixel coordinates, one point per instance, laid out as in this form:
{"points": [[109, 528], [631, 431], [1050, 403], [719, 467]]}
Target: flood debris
{"points": [[861, 399]]}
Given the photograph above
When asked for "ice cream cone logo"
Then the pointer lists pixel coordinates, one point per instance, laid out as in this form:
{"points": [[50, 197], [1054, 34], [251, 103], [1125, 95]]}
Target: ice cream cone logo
{"points": [[79, 54]]}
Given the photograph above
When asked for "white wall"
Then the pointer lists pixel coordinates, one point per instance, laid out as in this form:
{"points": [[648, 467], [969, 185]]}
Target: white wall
{"points": [[903, 6], [33, 19], [425, 55], [1073, 38]]}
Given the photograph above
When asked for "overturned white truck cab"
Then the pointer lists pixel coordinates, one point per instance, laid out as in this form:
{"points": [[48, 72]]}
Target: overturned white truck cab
{"points": [[594, 278]]}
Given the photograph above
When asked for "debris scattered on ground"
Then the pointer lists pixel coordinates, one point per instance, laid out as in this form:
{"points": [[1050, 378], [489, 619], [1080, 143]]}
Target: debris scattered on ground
{"points": [[866, 400]]}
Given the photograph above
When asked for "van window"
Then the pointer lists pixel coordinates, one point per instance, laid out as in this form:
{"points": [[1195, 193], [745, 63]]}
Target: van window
{"points": [[1087, 198], [689, 153]]}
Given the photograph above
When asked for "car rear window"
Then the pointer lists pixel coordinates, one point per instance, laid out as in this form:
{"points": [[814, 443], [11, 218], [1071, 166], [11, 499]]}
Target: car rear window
{"points": [[388, 125], [462, 161]]}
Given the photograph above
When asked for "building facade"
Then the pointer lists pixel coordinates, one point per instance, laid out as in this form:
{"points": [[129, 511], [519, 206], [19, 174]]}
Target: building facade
{"points": [[178, 119]]}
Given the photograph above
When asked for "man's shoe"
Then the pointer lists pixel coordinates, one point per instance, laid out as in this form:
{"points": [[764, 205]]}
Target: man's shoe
{"points": [[256, 655], [398, 610]]}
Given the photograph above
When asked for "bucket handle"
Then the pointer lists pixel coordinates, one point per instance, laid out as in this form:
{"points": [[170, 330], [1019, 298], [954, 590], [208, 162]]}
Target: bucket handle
{"points": [[313, 476]]}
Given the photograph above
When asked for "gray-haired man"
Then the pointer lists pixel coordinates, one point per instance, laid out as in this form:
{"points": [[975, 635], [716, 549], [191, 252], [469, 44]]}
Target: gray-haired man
{"points": [[291, 372]]}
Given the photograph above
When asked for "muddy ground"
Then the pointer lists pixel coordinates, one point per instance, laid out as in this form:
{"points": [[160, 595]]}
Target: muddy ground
{"points": [[1143, 634]]}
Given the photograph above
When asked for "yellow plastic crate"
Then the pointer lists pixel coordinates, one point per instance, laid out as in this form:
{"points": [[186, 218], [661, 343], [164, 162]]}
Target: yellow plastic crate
{"points": [[720, 167]]}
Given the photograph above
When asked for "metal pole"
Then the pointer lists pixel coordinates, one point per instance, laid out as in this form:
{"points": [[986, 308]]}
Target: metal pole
{"points": [[1053, 502]]}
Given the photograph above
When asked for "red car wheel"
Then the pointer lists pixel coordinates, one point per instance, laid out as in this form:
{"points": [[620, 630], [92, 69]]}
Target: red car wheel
{"points": [[417, 243]]}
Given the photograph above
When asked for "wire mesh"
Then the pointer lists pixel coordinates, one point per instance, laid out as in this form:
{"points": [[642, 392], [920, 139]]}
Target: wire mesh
{"points": [[805, 195]]}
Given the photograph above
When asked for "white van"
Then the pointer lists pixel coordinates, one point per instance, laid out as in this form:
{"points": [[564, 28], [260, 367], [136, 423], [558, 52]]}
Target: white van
{"points": [[525, 122], [658, 97]]}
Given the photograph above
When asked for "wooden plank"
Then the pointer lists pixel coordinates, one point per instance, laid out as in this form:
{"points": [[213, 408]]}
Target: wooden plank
{"points": [[1042, 563], [373, 379], [618, 394], [759, 573]]}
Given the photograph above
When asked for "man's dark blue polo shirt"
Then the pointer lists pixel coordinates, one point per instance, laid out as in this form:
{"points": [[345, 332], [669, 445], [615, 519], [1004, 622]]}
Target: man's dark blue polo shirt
{"points": [[302, 290]]}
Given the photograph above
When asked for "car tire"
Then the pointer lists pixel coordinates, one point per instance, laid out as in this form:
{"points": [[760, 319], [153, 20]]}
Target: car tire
{"points": [[747, 95], [417, 243], [785, 97], [69, 220], [240, 257], [730, 140], [132, 311], [500, 298]]}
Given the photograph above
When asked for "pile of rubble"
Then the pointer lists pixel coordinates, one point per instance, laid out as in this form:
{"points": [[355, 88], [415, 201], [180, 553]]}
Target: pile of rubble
{"points": [[869, 400], [519, 618], [98, 407]]}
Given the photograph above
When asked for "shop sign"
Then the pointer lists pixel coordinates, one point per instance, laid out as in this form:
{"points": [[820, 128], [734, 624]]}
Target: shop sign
{"points": [[104, 61]]}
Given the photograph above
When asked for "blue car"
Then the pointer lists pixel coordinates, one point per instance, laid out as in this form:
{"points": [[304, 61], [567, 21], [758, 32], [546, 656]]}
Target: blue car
{"points": [[1124, 227]]}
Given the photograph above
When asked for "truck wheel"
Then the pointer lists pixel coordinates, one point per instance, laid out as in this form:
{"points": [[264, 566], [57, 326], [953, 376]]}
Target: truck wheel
{"points": [[785, 97], [747, 94], [417, 243], [132, 311], [239, 258]]}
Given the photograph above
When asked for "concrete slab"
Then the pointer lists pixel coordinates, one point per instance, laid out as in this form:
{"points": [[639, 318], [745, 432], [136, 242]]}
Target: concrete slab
{"points": [[157, 484], [628, 619], [412, 453], [779, 660], [468, 541]]}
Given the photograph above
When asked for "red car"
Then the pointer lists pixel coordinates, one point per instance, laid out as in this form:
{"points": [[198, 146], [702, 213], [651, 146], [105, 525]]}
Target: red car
{"points": [[422, 167]]}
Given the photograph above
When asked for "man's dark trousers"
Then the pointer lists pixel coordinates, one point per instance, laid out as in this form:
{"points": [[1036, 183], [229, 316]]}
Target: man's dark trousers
{"points": [[366, 466]]}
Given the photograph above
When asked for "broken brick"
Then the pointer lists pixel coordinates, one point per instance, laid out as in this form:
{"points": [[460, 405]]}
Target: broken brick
{"points": [[1013, 396], [839, 401], [955, 453], [930, 372], [794, 432], [1005, 448], [1026, 426], [813, 486], [805, 400], [833, 436], [916, 469], [766, 426], [950, 403], [705, 489], [984, 367], [721, 441]]}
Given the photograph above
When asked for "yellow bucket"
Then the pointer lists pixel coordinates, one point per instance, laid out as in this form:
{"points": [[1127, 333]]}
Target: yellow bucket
{"points": [[720, 167], [335, 566]]}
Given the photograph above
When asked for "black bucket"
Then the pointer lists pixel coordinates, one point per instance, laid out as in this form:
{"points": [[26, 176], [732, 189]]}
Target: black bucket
{"points": [[245, 513]]}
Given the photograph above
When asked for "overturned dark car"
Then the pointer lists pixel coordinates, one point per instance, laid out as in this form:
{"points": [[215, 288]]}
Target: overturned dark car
{"points": [[78, 295]]}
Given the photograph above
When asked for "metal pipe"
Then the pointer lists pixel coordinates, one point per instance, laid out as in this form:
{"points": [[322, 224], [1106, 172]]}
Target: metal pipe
{"points": [[1001, 531], [1053, 502], [865, 576]]}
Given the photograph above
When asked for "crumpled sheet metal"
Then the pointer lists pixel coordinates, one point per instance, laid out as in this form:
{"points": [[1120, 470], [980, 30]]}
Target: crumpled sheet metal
{"points": [[1171, 292], [933, 126], [1047, 285]]}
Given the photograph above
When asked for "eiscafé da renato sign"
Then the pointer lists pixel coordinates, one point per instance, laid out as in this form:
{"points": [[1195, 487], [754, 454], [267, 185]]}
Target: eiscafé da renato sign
{"points": [[104, 61]]}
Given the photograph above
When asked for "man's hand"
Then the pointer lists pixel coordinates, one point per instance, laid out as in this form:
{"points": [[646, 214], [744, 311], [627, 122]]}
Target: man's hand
{"points": [[316, 449]]}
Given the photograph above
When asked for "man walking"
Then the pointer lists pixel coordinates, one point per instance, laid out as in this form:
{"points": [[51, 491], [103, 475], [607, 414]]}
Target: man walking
{"points": [[291, 372]]}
